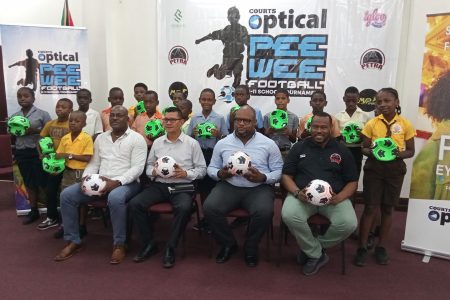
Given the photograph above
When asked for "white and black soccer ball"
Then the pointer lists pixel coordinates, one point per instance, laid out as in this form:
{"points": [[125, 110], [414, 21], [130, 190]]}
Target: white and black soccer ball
{"points": [[93, 185], [239, 162], [318, 192], [226, 94], [165, 166]]}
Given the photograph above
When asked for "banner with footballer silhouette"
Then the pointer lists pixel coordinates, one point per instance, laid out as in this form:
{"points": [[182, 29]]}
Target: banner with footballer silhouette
{"points": [[302, 46], [52, 61], [428, 221]]}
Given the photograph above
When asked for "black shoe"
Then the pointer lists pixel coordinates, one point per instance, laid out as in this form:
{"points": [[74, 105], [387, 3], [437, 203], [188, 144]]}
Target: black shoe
{"points": [[31, 217], [251, 260], [238, 222], [169, 258], [371, 241], [360, 258], [313, 265], [147, 251], [59, 234], [226, 253], [82, 231], [381, 256]]}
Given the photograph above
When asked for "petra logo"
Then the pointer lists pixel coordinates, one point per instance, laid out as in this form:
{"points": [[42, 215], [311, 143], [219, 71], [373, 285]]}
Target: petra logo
{"points": [[372, 59], [375, 18], [178, 55]]}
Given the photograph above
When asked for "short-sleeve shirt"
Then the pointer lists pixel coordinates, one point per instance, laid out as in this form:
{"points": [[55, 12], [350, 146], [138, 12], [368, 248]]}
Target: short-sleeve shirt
{"points": [[38, 118], [82, 145], [280, 139], [214, 118], [334, 126], [93, 122], [141, 120], [56, 130], [360, 117], [401, 129], [333, 163]]}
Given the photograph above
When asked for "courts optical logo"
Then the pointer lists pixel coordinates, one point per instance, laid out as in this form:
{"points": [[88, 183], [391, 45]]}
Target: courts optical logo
{"points": [[270, 19], [375, 18], [441, 214], [178, 55], [372, 58]]}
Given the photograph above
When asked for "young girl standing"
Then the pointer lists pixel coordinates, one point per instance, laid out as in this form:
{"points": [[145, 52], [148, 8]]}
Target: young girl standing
{"points": [[383, 179], [26, 153]]}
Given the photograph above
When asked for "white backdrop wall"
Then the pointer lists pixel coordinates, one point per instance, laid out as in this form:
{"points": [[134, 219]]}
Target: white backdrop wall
{"points": [[123, 34]]}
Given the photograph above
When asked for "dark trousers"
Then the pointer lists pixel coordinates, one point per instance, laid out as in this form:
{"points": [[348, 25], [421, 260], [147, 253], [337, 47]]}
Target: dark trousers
{"points": [[53, 185], [258, 201], [358, 156], [158, 192]]}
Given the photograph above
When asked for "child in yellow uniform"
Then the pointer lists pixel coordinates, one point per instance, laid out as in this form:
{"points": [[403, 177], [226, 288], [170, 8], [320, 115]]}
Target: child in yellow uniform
{"points": [[77, 148], [383, 179]]}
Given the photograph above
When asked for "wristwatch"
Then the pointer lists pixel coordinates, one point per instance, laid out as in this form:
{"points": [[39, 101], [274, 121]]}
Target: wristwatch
{"points": [[70, 157]]}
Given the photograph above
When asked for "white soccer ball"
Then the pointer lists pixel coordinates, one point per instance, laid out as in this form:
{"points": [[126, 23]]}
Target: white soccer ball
{"points": [[165, 166], [93, 185], [318, 192], [239, 162]]}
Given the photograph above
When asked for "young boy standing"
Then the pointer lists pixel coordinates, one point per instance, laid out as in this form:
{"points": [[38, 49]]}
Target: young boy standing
{"points": [[55, 129], [115, 98], [94, 124], [151, 101]]}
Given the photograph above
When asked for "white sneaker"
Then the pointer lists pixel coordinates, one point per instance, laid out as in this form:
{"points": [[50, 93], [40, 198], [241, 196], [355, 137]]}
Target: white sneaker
{"points": [[47, 223]]}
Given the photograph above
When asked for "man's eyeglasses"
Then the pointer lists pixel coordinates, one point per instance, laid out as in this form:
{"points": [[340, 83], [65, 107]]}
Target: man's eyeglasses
{"points": [[165, 120], [245, 121]]}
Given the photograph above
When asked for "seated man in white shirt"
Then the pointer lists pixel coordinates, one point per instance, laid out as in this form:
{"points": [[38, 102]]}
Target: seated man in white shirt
{"points": [[190, 165], [119, 157]]}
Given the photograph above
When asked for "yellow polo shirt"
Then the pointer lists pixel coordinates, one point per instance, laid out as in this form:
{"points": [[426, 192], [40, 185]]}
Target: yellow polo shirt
{"points": [[82, 145], [401, 130]]}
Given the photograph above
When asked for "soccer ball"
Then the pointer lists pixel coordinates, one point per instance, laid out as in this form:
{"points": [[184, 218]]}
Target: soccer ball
{"points": [[46, 145], [384, 149], [165, 166], [140, 107], [278, 119], [350, 132], [308, 124], [239, 162], [18, 125], [318, 192], [226, 94], [154, 128], [204, 130], [93, 185], [52, 165]]}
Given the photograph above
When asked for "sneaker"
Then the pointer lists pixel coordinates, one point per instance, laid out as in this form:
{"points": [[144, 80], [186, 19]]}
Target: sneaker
{"points": [[47, 223], [360, 258], [381, 256], [59, 234], [313, 265], [302, 258], [31, 217]]}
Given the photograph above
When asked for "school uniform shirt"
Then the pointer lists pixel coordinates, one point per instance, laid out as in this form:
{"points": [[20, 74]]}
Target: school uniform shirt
{"points": [[81, 145], [38, 118], [280, 139], [401, 129], [56, 130], [264, 154], [335, 132], [333, 163], [185, 151], [140, 122], [93, 122], [214, 118], [122, 160], [359, 116]]}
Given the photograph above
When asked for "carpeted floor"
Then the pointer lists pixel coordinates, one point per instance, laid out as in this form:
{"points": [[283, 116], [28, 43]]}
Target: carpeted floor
{"points": [[28, 271]]}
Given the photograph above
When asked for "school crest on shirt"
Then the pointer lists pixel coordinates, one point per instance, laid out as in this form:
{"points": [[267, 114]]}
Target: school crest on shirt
{"points": [[335, 158], [396, 128]]}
